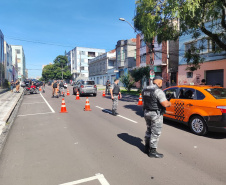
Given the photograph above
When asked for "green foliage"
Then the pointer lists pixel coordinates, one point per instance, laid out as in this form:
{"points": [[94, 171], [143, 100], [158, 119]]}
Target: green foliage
{"points": [[54, 71], [140, 73], [160, 18], [128, 81]]}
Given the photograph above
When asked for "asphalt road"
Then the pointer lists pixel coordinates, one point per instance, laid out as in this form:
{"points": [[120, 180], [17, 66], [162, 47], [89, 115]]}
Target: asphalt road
{"points": [[46, 147]]}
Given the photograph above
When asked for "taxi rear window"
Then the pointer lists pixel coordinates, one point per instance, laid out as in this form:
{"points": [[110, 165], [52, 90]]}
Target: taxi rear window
{"points": [[218, 93]]}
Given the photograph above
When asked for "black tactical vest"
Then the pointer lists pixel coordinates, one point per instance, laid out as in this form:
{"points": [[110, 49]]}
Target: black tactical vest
{"points": [[151, 103], [116, 89]]}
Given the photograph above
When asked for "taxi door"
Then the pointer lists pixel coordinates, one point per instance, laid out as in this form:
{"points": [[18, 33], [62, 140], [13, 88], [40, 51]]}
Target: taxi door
{"points": [[186, 104], [171, 93]]}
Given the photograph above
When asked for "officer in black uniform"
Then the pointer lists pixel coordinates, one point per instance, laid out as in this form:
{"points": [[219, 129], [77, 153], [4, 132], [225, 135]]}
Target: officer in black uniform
{"points": [[154, 107]]}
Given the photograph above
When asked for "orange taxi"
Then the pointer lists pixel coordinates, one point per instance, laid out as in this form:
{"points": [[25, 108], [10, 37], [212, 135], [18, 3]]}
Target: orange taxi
{"points": [[202, 108]]}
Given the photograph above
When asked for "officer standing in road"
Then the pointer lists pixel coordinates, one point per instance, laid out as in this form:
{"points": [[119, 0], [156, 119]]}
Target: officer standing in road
{"points": [[108, 84], [155, 103], [115, 92]]}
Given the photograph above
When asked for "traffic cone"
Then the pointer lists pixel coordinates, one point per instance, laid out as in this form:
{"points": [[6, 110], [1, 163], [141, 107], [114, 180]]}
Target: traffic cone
{"points": [[63, 107], [77, 96], [40, 89], [103, 93], [140, 100], [62, 93], [68, 93], [87, 106]]}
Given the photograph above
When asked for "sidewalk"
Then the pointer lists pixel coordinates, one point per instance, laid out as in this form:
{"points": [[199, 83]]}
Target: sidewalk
{"points": [[8, 101]]}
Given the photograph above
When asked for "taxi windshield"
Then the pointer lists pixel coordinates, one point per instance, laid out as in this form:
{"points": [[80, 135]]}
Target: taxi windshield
{"points": [[218, 93]]}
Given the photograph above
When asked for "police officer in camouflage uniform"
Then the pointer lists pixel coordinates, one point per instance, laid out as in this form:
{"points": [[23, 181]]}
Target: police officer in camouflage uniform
{"points": [[115, 92], [154, 106]]}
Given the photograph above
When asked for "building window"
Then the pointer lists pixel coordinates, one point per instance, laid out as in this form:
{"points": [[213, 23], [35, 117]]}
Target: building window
{"points": [[91, 54], [189, 74], [18, 60], [142, 43], [143, 59], [118, 55], [158, 55], [17, 51]]}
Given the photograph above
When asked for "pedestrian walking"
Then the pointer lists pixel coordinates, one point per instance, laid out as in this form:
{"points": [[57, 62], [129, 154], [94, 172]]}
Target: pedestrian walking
{"points": [[155, 103], [115, 92], [17, 83], [11, 85], [54, 89], [108, 84]]}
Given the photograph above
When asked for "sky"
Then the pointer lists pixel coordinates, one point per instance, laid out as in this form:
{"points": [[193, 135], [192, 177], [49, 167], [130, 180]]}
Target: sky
{"points": [[63, 25]]}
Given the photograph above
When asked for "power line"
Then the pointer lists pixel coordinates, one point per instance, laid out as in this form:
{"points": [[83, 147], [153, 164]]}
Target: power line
{"points": [[39, 42]]}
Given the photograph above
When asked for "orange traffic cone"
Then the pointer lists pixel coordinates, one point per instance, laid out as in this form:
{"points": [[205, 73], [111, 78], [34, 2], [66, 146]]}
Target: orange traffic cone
{"points": [[77, 96], [103, 93], [63, 107], [40, 89], [140, 100], [87, 106], [62, 93], [68, 93]]}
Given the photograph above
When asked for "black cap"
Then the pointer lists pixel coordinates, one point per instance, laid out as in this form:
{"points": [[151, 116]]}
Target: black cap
{"points": [[158, 78]]}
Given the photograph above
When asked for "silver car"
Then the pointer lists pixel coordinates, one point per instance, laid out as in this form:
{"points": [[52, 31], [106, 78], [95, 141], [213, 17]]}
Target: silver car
{"points": [[85, 87]]}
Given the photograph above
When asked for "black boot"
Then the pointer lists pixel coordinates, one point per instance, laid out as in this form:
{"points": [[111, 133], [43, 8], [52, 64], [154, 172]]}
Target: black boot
{"points": [[146, 145], [154, 154], [113, 112]]}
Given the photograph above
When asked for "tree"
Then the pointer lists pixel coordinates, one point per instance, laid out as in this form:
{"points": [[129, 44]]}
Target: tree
{"points": [[128, 81], [160, 18], [58, 70], [139, 74]]}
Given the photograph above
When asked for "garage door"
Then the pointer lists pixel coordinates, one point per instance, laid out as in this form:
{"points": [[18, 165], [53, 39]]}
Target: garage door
{"points": [[215, 77]]}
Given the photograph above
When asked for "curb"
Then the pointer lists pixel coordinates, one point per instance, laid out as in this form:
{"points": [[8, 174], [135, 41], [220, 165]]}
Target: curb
{"points": [[9, 123]]}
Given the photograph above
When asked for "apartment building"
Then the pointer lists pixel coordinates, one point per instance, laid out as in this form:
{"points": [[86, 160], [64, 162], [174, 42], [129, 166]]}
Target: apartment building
{"points": [[165, 57], [125, 56], [9, 68], [78, 59], [18, 58], [103, 67], [213, 69], [2, 71]]}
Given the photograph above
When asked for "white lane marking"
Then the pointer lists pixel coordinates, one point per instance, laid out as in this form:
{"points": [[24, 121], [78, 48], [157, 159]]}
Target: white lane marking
{"points": [[117, 115], [32, 97], [47, 103], [31, 103], [35, 114], [98, 176]]}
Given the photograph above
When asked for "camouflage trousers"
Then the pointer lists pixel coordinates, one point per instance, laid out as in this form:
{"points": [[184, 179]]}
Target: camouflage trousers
{"points": [[154, 121], [115, 102]]}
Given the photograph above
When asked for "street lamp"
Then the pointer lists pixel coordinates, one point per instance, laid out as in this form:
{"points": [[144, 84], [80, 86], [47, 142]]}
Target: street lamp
{"points": [[122, 19]]}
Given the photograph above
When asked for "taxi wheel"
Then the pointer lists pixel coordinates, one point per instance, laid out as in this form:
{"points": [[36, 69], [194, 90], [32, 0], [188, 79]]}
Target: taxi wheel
{"points": [[198, 125]]}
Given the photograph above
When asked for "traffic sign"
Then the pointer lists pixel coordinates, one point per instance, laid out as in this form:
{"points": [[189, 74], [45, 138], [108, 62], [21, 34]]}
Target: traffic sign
{"points": [[152, 74]]}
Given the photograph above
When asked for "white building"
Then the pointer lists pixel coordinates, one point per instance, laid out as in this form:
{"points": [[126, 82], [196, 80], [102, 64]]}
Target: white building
{"points": [[19, 58], [102, 68], [9, 68], [78, 59]]}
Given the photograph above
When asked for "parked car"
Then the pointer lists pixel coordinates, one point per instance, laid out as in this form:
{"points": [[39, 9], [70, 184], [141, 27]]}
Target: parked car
{"points": [[85, 87], [202, 108]]}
